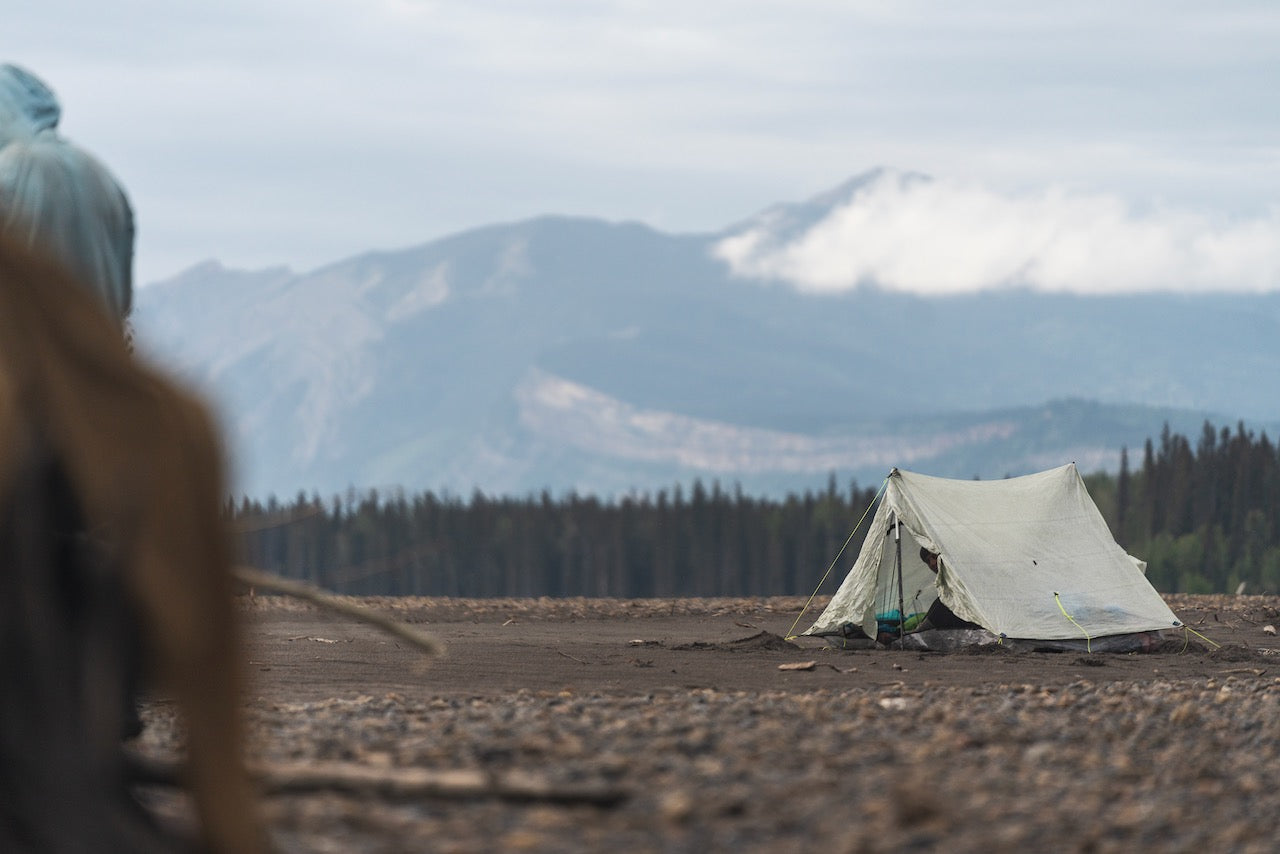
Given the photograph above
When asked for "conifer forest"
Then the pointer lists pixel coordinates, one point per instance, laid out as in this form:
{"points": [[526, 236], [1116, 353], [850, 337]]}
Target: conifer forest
{"points": [[1205, 515]]}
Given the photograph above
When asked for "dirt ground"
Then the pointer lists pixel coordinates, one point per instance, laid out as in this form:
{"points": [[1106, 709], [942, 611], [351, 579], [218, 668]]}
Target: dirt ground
{"points": [[668, 726]]}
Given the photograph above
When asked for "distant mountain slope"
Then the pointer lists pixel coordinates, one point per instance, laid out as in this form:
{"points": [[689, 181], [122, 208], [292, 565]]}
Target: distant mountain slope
{"points": [[571, 353]]}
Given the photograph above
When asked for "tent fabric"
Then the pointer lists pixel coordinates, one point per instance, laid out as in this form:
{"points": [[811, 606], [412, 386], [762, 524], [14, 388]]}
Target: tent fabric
{"points": [[1026, 557]]}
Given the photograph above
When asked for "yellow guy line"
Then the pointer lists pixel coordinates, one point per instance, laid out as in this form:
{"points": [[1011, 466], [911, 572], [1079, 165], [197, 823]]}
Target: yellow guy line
{"points": [[823, 580], [1213, 644], [1088, 641]]}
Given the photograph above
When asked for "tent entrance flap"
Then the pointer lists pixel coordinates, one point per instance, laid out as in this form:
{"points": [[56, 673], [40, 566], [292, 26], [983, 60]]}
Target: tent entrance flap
{"points": [[904, 584]]}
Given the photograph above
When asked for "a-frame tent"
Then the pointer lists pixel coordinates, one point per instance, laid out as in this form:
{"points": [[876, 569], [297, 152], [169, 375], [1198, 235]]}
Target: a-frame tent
{"points": [[1024, 558]]}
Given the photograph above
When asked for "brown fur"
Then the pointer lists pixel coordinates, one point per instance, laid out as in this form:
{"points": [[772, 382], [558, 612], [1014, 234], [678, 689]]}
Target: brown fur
{"points": [[142, 466]]}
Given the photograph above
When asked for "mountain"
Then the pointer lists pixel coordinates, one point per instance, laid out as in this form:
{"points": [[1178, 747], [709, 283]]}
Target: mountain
{"points": [[565, 353]]}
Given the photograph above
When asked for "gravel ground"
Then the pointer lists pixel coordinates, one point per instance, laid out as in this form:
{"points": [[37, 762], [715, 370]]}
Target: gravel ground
{"points": [[679, 708]]}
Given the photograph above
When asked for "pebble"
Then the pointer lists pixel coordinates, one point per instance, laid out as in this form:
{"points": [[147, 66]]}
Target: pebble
{"points": [[1155, 764], [775, 770]]}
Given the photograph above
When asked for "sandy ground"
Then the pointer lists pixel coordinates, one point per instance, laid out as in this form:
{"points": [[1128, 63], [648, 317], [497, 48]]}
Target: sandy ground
{"points": [[676, 715]]}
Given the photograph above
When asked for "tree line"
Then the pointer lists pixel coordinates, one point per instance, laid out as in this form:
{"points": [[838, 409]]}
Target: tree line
{"points": [[704, 541], [1205, 518]]}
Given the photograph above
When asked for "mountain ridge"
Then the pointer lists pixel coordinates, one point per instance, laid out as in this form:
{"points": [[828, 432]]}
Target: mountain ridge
{"points": [[475, 360]]}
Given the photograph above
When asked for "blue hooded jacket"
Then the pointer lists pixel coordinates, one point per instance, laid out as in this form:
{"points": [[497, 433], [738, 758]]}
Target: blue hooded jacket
{"points": [[57, 198]]}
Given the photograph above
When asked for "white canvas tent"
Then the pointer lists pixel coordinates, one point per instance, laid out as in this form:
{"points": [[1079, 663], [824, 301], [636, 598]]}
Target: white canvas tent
{"points": [[1024, 558]]}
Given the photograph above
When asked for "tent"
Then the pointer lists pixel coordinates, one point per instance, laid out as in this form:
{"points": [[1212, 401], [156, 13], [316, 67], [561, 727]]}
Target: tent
{"points": [[1023, 558]]}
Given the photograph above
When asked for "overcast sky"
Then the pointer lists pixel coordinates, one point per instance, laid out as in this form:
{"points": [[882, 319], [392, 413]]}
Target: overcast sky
{"points": [[299, 133]]}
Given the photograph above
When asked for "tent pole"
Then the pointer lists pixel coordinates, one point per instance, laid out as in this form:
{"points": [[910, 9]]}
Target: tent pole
{"points": [[902, 606]]}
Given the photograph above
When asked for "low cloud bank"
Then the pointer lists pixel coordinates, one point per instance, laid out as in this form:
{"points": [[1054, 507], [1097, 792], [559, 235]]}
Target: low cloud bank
{"points": [[909, 233]]}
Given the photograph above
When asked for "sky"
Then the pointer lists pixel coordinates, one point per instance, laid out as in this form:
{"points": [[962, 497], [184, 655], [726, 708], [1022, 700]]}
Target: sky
{"points": [[1094, 146]]}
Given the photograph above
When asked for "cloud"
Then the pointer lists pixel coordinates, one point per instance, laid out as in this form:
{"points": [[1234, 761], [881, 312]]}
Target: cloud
{"points": [[298, 133], [908, 233]]}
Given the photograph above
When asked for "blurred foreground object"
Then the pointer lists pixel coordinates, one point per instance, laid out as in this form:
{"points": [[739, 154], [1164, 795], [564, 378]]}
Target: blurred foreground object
{"points": [[113, 556], [57, 199]]}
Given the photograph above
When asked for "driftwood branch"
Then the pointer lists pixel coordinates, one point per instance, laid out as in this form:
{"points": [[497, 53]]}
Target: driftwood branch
{"points": [[269, 581], [298, 778], [408, 783]]}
